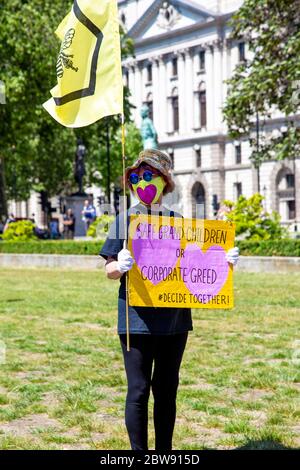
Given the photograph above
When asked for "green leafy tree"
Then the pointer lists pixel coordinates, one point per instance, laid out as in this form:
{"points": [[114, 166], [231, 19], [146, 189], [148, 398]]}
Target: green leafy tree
{"points": [[252, 221], [36, 152], [270, 77], [96, 139]]}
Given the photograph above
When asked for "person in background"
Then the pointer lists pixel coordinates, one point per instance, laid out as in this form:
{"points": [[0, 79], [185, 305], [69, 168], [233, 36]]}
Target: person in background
{"points": [[88, 213], [69, 225], [2, 224], [11, 218], [54, 229]]}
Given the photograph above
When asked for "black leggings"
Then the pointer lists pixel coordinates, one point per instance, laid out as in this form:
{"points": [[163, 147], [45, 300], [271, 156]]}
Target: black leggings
{"points": [[166, 352]]}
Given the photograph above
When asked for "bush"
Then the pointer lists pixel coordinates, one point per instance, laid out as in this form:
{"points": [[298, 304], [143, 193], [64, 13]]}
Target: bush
{"points": [[252, 221], [53, 247], [99, 228], [283, 247], [21, 231]]}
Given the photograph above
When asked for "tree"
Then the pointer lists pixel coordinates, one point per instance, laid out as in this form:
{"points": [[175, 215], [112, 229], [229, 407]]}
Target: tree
{"points": [[252, 221], [3, 203], [37, 152], [270, 77], [95, 137]]}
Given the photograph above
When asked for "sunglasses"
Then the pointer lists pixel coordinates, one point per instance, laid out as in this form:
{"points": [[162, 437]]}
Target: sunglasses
{"points": [[134, 178]]}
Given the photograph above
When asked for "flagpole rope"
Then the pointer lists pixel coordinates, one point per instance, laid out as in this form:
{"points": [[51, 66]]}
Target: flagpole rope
{"points": [[125, 228]]}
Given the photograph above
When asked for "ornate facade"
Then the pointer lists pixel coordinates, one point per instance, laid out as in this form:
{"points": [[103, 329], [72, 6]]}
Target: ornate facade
{"points": [[183, 55]]}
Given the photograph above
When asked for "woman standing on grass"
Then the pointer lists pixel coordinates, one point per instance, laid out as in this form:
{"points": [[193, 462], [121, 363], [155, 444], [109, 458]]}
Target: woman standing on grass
{"points": [[157, 335]]}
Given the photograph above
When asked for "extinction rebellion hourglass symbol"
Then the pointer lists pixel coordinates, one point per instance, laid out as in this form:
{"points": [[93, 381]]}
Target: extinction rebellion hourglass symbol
{"points": [[65, 60]]}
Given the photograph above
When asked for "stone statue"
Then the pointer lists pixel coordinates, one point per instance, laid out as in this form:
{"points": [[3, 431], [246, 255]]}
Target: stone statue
{"points": [[148, 132], [79, 165]]}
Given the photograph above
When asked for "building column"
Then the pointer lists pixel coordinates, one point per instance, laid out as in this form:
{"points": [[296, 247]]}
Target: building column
{"points": [[131, 86], [144, 81], [24, 209], [218, 77], [163, 96], [226, 70], [210, 106], [197, 109], [138, 92], [189, 95], [181, 93], [156, 92], [168, 95]]}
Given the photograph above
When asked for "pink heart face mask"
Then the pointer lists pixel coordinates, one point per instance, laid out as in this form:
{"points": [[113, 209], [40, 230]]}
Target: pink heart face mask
{"points": [[149, 192]]}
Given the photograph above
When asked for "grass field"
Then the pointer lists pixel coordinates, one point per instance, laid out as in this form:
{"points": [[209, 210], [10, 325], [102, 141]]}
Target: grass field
{"points": [[63, 384]]}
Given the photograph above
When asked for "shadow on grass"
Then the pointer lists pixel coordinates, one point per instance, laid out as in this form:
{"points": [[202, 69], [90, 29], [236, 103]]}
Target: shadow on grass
{"points": [[265, 444]]}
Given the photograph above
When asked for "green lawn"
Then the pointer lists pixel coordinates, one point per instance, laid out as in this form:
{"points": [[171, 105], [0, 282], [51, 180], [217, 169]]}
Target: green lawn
{"points": [[63, 385]]}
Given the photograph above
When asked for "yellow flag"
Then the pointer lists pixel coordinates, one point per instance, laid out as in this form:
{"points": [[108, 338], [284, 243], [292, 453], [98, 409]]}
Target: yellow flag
{"points": [[89, 73]]}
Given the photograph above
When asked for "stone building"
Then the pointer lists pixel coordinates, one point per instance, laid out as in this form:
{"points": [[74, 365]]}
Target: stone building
{"points": [[183, 55]]}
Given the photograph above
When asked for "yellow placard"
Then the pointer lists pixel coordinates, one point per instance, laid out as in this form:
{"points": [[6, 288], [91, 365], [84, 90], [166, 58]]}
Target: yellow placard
{"points": [[180, 262]]}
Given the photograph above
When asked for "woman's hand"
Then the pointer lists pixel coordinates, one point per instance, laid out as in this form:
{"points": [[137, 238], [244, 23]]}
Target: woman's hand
{"points": [[125, 261], [232, 255], [116, 269]]}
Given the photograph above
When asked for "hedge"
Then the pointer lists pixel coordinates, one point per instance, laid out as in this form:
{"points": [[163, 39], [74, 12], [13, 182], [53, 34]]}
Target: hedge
{"points": [[286, 247], [53, 247]]}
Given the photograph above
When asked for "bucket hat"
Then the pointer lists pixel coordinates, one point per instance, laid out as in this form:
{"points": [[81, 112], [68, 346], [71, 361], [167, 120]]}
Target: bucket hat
{"points": [[158, 160]]}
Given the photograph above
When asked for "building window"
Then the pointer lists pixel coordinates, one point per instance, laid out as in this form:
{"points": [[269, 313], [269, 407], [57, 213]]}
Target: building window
{"points": [[149, 103], [291, 206], [202, 61], [285, 194], [198, 155], [175, 109], [215, 204], [171, 155], [174, 67], [198, 201], [290, 180], [123, 18], [149, 73], [238, 154], [202, 105], [126, 76], [242, 54], [238, 190]]}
